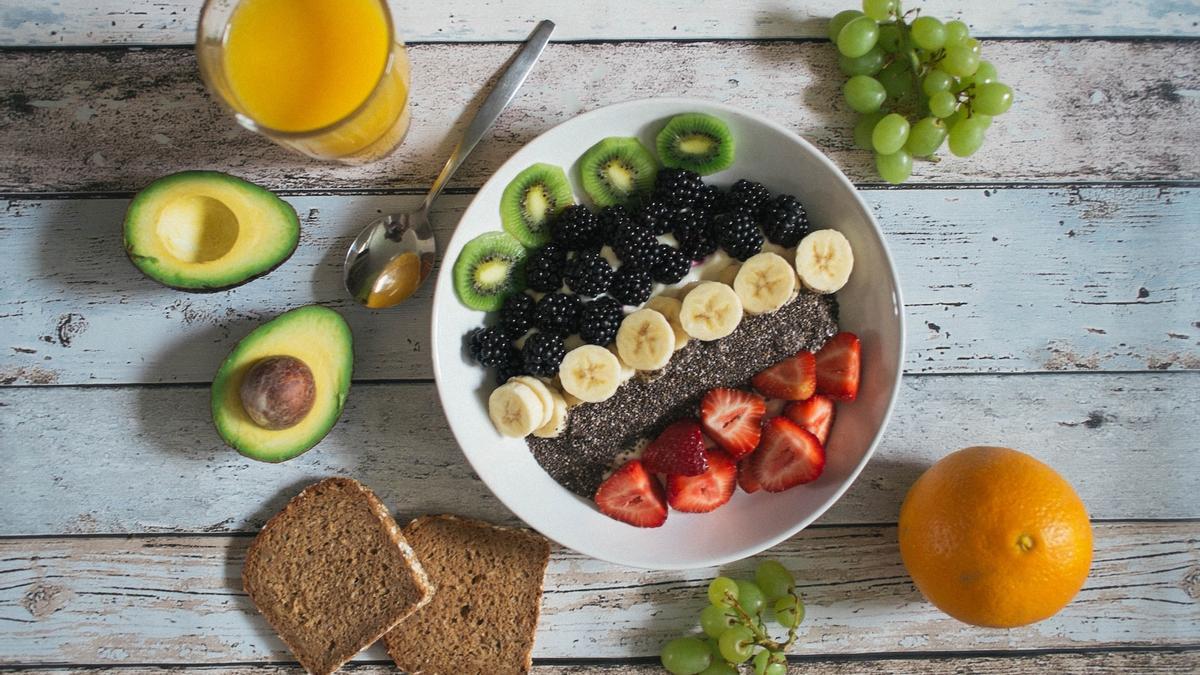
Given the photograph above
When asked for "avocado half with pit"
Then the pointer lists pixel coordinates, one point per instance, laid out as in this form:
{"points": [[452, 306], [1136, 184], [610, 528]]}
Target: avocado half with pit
{"points": [[282, 388], [206, 231]]}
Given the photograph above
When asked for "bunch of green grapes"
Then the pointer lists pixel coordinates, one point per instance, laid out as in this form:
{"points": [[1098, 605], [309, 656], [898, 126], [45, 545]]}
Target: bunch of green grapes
{"points": [[916, 84], [734, 627]]}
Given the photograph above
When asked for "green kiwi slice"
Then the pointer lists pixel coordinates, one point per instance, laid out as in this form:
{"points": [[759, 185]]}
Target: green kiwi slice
{"points": [[617, 169], [490, 267], [531, 200], [695, 141]]}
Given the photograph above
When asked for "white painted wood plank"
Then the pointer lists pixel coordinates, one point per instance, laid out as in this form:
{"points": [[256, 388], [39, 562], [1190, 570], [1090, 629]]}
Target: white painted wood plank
{"points": [[74, 458], [114, 120], [1104, 279], [95, 22], [179, 600]]}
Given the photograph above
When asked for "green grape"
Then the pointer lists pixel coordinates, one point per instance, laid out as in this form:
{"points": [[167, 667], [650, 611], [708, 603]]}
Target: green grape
{"points": [[736, 644], [925, 137], [956, 33], [776, 669], [985, 119], [722, 591], [716, 620], [789, 611], [773, 578], [966, 136], [935, 81], [985, 73], [880, 10], [942, 104], [719, 667], [750, 597], [890, 134], [858, 36], [894, 168], [960, 61], [867, 64], [761, 660], [897, 79], [973, 45], [889, 37], [864, 93], [862, 134], [685, 656], [839, 21], [715, 647], [928, 33], [992, 98]]}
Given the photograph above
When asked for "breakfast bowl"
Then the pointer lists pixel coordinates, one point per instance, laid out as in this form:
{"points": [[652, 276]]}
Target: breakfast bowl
{"points": [[869, 305]]}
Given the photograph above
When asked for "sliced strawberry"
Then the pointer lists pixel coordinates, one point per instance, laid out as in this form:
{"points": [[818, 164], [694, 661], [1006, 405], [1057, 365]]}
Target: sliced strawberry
{"points": [[838, 367], [678, 450], [787, 456], [733, 418], [792, 379], [631, 495], [814, 415], [746, 478], [703, 493]]}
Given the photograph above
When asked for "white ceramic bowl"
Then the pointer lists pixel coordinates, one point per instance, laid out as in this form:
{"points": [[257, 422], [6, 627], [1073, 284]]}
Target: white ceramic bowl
{"points": [[870, 307]]}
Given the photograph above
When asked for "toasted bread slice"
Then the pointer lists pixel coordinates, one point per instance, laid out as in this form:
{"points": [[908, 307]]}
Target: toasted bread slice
{"points": [[483, 618], [332, 573]]}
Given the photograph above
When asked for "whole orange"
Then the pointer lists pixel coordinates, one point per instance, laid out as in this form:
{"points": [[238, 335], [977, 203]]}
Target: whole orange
{"points": [[993, 537]]}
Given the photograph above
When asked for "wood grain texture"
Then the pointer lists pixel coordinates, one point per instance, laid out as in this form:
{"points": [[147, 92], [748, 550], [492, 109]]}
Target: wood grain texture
{"points": [[179, 600], [74, 458], [114, 120], [1098, 279], [95, 22]]}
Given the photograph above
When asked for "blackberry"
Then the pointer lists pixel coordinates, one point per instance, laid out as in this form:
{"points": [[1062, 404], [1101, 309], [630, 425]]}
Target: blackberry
{"points": [[577, 229], [693, 231], [710, 198], [513, 366], [636, 247], [612, 218], [543, 354], [655, 215], [678, 188], [490, 347], [631, 286], [544, 270], [557, 313], [784, 220], [738, 234], [588, 274], [516, 315], [601, 319], [749, 193], [670, 265]]}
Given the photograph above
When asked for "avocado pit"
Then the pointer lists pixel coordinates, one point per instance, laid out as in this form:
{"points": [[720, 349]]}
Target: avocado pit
{"points": [[278, 391]]}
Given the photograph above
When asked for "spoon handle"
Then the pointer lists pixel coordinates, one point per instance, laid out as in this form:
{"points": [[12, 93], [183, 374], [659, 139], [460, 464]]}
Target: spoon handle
{"points": [[495, 103]]}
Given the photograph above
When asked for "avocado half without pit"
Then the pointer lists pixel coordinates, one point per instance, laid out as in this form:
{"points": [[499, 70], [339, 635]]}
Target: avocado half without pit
{"points": [[283, 387], [208, 231]]}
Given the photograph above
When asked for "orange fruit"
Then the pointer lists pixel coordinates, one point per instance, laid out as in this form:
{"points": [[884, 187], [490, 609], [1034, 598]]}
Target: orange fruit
{"points": [[993, 537]]}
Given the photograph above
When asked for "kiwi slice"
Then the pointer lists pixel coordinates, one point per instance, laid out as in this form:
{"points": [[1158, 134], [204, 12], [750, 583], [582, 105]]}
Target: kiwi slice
{"points": [[695, 141], [531, 200], [617, 169], [490, 267]]}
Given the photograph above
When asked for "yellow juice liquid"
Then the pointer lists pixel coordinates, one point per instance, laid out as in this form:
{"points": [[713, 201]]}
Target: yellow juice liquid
{"points": [[307, 65]]}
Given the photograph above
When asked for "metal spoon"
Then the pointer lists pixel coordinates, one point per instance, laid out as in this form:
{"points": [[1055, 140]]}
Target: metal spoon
{"points": [[393, 255]]}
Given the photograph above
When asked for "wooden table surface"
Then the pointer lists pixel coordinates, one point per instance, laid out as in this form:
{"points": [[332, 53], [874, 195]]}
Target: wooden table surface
{"points": [[1053, 284]]}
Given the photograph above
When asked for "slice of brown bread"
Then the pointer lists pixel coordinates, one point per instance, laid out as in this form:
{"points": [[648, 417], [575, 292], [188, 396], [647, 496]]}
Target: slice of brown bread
{"points": [[332, 573], [483, 618]]}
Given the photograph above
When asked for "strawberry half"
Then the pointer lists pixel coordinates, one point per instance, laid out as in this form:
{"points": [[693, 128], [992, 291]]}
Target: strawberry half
{"points": [[792, 379], [678, 450], [787, 456], [703, 493], [814, 415], [746, 478], [838, 366], [631, 495], [733, 418]]}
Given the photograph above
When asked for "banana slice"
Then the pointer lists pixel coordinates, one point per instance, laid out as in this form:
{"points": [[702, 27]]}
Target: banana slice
{"points": [[590, 373], [645, 340], [627, 371], [558, 418], [515, 409], [711, 311], [669, 307], [543, 393], [729, 274], [764, 283], [571, 400], [824, 260]]}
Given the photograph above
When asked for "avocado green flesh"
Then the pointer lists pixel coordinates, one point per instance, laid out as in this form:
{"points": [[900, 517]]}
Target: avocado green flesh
{"points": [[320, 338], [208, 231]]}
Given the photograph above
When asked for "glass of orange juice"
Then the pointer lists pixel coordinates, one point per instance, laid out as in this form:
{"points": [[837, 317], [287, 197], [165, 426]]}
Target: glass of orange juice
{"points": [[328, 78]]}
